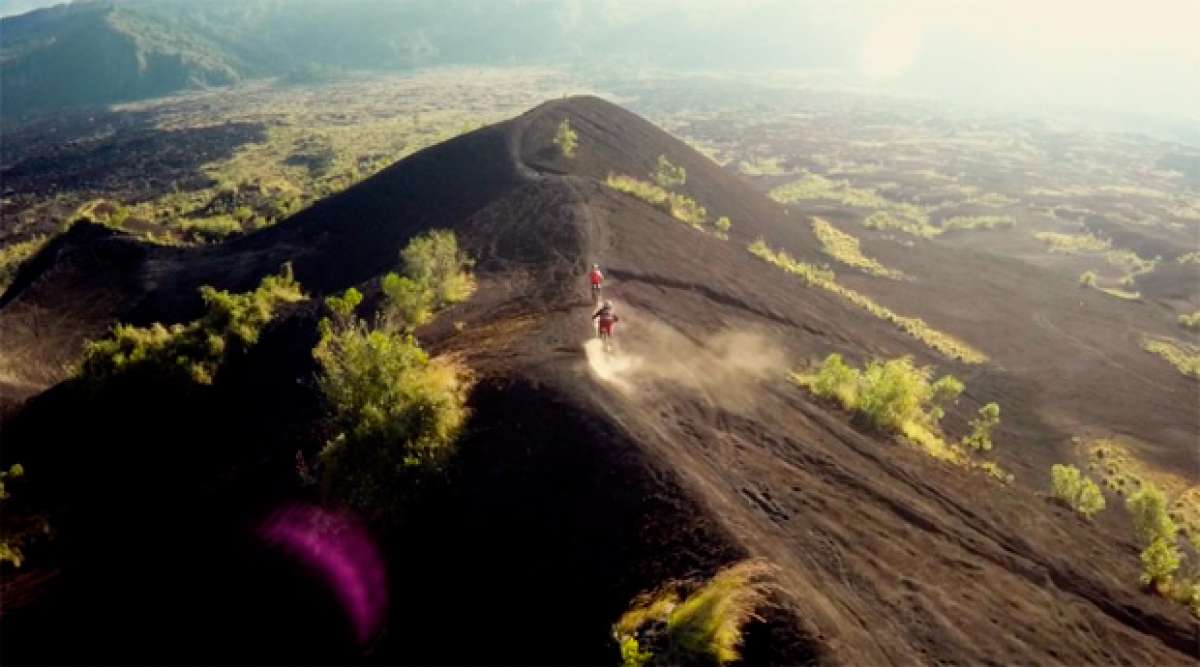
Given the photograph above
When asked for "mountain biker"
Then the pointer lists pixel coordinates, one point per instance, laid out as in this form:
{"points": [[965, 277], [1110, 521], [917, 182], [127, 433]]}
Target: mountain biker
{"points": [[605, 319], [597, 279]]}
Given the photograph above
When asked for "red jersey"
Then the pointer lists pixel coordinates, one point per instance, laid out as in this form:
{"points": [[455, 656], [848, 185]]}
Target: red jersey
{"points": [[596, 277]]}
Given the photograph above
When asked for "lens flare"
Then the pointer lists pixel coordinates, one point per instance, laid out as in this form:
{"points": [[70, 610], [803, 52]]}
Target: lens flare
{"points": [[338, 548]]}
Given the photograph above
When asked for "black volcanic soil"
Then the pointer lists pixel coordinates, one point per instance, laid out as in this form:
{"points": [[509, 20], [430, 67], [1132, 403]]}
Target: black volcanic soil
{"points": [[574, 492]]}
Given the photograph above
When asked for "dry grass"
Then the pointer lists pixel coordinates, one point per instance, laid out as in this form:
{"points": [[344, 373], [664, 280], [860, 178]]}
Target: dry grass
{"points": [[1183, 356], [847, 250], [979, 222], [1073, 243], [914, 326], [912, 224], [705, 626], [682, 208], [15, 254]]}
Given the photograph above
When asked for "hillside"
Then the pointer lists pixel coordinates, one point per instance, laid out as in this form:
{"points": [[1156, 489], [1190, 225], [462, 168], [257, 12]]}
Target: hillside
{"points": [[584, 480]]}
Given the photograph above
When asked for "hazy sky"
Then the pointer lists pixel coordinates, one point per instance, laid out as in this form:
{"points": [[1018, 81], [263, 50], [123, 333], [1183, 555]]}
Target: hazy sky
{"points": [[1141, 55]]}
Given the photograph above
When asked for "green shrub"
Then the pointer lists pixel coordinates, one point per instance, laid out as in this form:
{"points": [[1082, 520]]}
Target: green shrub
{"points": [[435, 276], [681, 207], [897, 394], [566, 139], [191, 352], [1151, 521], [1160, 561], [666, 628], [847, 249], [1191, 321], [1078, 492], [10, 545], [724, 224], [979, 222], [669, 175], [395, 413], [17, 529], [1184, 357], [1087, 279], [981, 427], [839, 381], [434, 261]]}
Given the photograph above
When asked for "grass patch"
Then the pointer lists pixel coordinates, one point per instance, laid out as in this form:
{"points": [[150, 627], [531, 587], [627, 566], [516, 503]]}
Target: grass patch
{"points": [[1073, 243], [682, 623], [1190, 258], [977, 222], [1183, 356], [847, 250], [680, 207], [903, 399], [1121, 294], [816, 187], [914, 224], [770, 166], [914, 326], [1191, 321], [15, 254]]}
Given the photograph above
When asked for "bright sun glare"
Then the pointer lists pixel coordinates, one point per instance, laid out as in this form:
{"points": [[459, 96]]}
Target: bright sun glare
{"points": [[890, 48]]}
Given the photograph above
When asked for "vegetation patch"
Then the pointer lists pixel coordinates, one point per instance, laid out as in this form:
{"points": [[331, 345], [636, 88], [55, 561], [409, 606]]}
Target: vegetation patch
{"points": [[1189, 258], [1075, 490], [685, 623], [394, 412], [1162, 558], [1183, 356], [15, 254], [1121, 472], [914, 326], [913, 226], [191, 352], [1190, 321], [903, 399], [668, 174], [847, 250], [1073, 243], [18, 529], [816, 187], [682, 208], [566, 139], [979, 222], [768, 166]]}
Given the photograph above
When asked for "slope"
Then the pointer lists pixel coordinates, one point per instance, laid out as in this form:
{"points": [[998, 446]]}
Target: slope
{"points": [[581, 482]]}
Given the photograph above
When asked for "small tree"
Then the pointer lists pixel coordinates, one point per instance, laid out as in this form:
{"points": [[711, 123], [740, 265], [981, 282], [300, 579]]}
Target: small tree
{"points": [[434, 261], [669, 175], [566, 139], [1160, 560], [1151, 521], [981, 427], [1075, 490]]}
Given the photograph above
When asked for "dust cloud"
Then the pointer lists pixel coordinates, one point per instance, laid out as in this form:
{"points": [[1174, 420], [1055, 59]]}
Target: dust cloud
{"points": [[720, 367]]}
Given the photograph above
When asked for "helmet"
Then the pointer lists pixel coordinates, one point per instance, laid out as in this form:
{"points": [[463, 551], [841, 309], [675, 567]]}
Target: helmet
{"points": [[595, 266]]}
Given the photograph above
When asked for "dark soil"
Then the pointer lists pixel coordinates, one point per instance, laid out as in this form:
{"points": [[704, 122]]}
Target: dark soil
{"points": [[572, 494]]}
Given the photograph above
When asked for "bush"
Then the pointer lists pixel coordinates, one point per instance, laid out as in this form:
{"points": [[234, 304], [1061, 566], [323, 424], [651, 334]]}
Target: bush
{"points": [[434, 261], [682, 208], [839, 381], [1076, 491], [566, 139], [705, 627], [669, 175], [15, 254], [1191, 321], [847, 249], [1160, 561], [1087, 279], [981, 427], [191, 352], [17, 529], [394, 411], [896, 395], [724, 224], [1151, 522]]}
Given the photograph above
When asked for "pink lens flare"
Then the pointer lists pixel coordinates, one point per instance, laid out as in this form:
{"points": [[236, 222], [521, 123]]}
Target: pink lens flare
{"points": [[336, 546]]}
